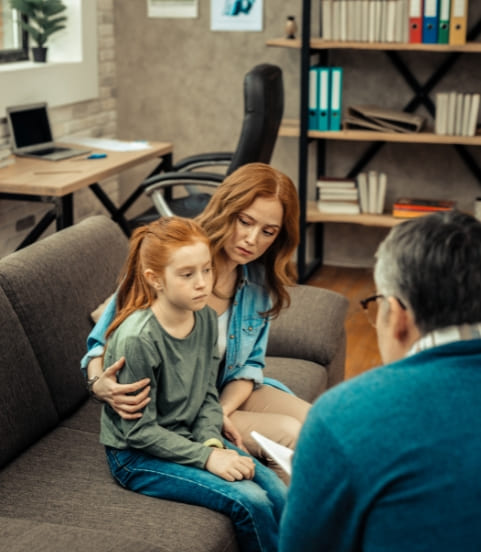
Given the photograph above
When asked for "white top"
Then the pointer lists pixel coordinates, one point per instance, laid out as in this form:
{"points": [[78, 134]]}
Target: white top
{"points": [[223, 324]]}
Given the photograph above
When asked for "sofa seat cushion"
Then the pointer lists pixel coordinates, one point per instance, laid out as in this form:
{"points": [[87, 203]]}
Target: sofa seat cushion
{"points": [[304, 378], [19, 535], [64, 479]]}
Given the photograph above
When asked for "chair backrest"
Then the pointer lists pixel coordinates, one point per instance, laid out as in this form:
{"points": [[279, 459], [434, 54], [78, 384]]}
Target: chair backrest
{"points": [[263, 109]]}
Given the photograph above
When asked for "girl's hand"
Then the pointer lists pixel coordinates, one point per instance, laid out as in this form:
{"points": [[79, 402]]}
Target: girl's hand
{"points": [[232, 434], [118, 396], [230, 465]]}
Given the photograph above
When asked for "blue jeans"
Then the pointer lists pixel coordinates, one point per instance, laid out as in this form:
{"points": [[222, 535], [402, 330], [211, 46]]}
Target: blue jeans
{"points": [[254, 506]]}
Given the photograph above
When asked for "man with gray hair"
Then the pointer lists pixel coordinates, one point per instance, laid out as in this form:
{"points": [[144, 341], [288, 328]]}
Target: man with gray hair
{"points": [[391, 460]]}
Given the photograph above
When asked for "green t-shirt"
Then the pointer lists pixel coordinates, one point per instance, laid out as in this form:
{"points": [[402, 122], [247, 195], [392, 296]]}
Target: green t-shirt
{"points": [[184, 410]]}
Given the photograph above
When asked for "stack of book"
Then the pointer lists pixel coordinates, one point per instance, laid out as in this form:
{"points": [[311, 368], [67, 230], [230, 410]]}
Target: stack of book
{"points": [[415, 21], [408, 207], [337, 196], [372, 117], [456, 113], [325, 98], [372, 192]]}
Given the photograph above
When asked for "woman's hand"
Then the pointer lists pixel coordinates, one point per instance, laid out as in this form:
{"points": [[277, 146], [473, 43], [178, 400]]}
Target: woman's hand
{"points": [[232, 434], [230, 465], [120, 396]]}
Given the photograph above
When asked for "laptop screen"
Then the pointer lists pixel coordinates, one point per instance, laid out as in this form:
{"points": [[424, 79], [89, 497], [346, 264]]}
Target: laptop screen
{"points": [[30, 126]]}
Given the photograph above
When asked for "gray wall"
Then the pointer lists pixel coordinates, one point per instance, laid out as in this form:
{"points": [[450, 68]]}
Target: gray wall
{"points": [[180, 82]]}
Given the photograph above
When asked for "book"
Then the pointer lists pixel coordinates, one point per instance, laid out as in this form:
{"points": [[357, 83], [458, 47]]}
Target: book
{"points": [[381, 193], [350, 195], [466, 114], [372, 188], [451, 113], [408, 207], [333, 181], [473, 114], [279, 453], [385, 120], [339, 207], [458, 118], [362, 186], [441, 117]]}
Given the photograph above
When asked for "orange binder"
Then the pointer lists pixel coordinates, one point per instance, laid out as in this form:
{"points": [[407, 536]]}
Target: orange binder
{"points": [[457, 26]]}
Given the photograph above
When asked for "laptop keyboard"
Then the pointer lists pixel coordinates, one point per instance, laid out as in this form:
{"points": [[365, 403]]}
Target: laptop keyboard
{"points": [[48, 151]]}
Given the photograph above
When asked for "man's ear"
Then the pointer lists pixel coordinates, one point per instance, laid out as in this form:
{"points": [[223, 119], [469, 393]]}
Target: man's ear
{"points": [[402, 323]]}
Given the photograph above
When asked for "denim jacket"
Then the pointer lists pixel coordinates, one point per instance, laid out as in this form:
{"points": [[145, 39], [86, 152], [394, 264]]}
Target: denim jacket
{"points": [[248, 330], [247, 333]]}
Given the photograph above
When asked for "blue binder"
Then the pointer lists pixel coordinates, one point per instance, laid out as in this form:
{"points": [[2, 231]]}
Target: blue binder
{"points": [[323, 99], [313, 122], [430, 21], [336, 98]]}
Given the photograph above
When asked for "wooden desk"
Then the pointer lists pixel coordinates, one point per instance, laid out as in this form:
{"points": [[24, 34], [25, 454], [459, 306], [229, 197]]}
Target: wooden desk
{"points": [[55, 182]]}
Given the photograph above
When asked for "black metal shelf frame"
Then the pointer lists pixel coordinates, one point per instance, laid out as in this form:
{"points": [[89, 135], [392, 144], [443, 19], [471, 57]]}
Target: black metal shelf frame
{"points": [[420, 97]]}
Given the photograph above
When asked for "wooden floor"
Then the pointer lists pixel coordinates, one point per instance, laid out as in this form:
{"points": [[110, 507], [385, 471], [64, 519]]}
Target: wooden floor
{"points": [[354, 283]]}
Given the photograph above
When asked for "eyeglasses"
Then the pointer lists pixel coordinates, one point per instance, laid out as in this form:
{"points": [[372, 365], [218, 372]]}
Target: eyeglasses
{"points": [[370, 306]]}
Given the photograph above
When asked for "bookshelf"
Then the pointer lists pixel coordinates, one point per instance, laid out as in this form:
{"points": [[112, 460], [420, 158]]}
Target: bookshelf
{"points": [[291, 128], [309, 46]]}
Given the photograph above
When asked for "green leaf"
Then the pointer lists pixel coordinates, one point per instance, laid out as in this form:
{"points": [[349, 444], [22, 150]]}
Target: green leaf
{"points": [[43, 18]]}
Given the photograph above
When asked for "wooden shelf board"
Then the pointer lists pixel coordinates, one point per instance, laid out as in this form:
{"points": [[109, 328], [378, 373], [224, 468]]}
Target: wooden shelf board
{"points": [[314, 215], [290, 128], [320, 44]]}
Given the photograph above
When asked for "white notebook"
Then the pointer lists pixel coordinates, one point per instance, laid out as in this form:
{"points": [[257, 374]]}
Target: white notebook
{"points": [[279, 453]]}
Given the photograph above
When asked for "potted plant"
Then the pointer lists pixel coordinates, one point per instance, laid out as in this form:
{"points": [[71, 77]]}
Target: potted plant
{"points": [[40, 18]]}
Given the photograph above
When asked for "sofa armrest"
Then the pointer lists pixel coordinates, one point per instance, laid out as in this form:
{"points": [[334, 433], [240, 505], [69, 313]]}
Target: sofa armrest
{"points": [[312, 328]]}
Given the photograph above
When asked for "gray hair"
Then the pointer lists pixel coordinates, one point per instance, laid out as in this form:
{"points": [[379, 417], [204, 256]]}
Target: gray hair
{"points": [[433, 265]]}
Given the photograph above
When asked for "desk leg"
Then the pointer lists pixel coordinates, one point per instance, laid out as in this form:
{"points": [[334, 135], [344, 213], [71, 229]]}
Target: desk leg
{"points": [[64, 211], [36, 232], [117, 216]]}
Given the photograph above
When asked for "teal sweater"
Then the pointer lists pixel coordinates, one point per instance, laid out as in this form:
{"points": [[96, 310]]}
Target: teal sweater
{"points": [[184, 411], [390, 461]]}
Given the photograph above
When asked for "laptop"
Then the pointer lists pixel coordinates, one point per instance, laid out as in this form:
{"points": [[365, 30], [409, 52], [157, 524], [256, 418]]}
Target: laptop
{"points": [[31, 135]]}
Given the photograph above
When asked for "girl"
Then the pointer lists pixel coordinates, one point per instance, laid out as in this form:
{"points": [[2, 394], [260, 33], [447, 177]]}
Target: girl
{"points": [[167, 334], [252, 222]]}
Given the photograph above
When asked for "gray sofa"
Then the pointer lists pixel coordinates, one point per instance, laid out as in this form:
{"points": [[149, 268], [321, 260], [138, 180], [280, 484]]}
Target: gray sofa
{"points": [[56, 493]]}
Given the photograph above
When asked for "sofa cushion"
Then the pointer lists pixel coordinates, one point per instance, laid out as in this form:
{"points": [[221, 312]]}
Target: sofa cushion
{"points": [[19, 535], [312, 329], [304, 378], [27, 410], [53, 290], [64, 479]]}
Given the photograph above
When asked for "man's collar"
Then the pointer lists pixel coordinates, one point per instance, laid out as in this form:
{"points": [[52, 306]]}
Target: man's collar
{"points": [[443, 336]]}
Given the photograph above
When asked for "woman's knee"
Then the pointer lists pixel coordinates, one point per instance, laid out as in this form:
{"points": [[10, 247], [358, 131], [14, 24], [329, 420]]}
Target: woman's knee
{"points": [[288, 430]]}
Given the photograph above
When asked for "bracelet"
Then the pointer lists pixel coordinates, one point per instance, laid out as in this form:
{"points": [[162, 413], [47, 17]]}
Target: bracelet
{"points": [[213, 442], [90, 384]]}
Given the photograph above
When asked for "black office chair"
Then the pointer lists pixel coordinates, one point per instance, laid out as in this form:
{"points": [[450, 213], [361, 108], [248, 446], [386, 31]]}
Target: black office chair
{"points": [[263, 108]]}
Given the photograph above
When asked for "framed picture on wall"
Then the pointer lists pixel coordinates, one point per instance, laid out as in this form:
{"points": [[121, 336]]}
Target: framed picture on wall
{"points": [[172, 8], [236, 15]]}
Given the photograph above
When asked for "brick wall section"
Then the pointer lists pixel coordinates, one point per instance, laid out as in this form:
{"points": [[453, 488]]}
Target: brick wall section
{"points": [[96, 117]]}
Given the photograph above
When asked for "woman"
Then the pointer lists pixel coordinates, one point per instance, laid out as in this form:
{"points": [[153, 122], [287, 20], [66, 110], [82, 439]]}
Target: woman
{"points": [[252, 222]]}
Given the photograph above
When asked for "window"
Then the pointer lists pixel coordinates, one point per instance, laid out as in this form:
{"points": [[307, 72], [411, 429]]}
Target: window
{"points": [[13, 39]]}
